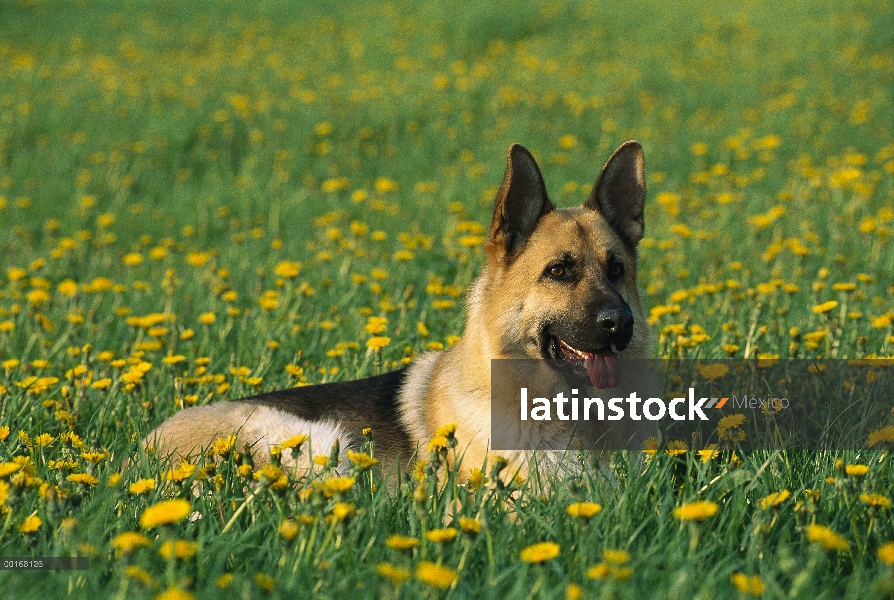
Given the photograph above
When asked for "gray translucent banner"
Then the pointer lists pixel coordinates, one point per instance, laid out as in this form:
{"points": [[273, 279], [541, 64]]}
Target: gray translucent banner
{"points": [[673, 405]]}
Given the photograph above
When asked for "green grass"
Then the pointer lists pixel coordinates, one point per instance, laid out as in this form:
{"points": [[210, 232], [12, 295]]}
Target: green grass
{"points": [[165, 159]]}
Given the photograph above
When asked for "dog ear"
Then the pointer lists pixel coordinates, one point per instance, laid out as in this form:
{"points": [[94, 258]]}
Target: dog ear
{"points": [[620, 192], [520, 203]]}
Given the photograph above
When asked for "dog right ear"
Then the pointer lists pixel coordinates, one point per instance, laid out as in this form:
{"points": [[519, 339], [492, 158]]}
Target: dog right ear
{"points": [[520, 203]]}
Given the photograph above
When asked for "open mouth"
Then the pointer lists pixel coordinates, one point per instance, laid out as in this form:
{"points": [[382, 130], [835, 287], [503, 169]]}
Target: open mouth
{"points": [[602, 366]]}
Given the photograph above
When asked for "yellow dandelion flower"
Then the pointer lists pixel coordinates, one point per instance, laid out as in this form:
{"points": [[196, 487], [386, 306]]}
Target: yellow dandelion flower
{"points": [[583, 510], [650, 445], [401, 542], [397, 575], [338, 485], [676, 447], [616, 557], [469, 525], [177, 549], [129, 541], [289, 529], [775, 499], [599, 571], [825, 537], [540, 553], [441, 536], [825, 307], [856, 470], [165, 512], [294, 442], [343, 510], [696, 511], [31, 524], [378, 342], [710, 451], [222, 446], [573, 592], [886, 553], [101, 384], [435, 575], [876, 500], [362, 460], [476, 478], [8, 468], [437, 443], [85, 478], [712, 371], [731, 421], [172, 593], [883, 435], [142, 486], [748, 584], [224, 580]]}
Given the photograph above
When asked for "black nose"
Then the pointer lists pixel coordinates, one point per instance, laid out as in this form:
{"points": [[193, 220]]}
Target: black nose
{"points": [[617, 325]]}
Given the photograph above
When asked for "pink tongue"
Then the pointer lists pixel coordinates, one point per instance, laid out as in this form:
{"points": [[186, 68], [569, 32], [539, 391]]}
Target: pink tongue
{"points": [[604, 369]]}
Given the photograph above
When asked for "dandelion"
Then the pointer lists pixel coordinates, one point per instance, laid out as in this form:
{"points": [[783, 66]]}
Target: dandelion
{"points": [[825, 537], [378, 342], [752, 585], [172, 593], [676, 448], [775, 499], [731, 421], [540, 553], [338, 485], [396, 575], [583, 510], [129, 541], [696, 511], [435, 575], [856, 470], [165, 512], [8, 468], [361, 460], [401, 542], [616, 557], [650, 445], [31, 524], [825, 307], [441, 536], [177, 549], [343, 510], [469, 525], [886, 553], [223, 446], [142, 486], [84, 478], [712, 371], [876, 500], [883, 435]]}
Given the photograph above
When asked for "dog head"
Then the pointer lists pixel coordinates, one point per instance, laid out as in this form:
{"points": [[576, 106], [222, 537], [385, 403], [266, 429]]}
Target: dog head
{"points": [[562, 283]]}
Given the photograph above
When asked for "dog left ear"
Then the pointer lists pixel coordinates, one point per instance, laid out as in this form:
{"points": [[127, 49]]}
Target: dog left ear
{"points": [[520, 203], [620, 192]]}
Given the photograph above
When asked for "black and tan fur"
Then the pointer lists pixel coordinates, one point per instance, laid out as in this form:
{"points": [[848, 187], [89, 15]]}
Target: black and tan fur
{"points": [[551, 274]]}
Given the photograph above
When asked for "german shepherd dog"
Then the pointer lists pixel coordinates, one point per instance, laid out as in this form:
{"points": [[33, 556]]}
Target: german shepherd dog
{"points": [[558, 284]]}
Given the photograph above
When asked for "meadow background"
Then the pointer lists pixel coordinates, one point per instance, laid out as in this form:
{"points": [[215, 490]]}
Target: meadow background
{"points": [[206, 200]]}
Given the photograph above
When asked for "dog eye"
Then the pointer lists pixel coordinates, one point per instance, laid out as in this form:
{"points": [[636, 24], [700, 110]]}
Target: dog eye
{"points": [[615, 270], [556, 271]]}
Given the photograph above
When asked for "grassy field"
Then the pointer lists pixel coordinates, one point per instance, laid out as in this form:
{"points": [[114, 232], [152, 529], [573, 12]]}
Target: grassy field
{"points": [[206, 200]]}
